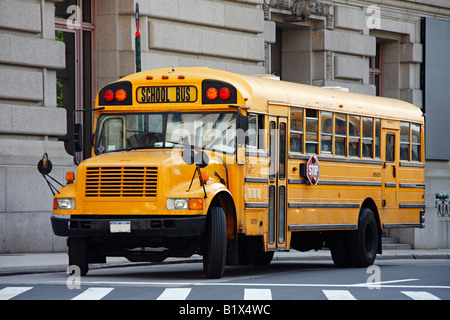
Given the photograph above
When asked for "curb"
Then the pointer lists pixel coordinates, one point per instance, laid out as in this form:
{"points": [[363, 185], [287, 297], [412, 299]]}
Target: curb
{"points": [[321, 255]]}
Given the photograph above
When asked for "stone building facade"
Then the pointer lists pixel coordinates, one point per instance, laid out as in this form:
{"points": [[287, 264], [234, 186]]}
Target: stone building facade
{"points": [[55, 55]]}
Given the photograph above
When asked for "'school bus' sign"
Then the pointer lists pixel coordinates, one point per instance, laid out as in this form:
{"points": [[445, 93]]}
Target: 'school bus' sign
{"points": [[166, 94]]}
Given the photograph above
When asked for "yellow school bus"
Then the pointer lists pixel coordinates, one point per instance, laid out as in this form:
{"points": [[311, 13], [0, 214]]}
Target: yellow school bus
{"points": [[232, 167]]}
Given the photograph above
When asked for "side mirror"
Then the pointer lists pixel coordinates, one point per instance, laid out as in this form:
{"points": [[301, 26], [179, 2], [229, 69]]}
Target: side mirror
{"points": [[188, 156], [78, 137], [201, 159], [45, 165]]}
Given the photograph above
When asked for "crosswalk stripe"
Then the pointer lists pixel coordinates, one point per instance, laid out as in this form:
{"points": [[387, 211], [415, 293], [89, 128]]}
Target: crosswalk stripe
{"points": [[10, 292], [93, 294], [338, 295], [420, 295], [175, 294], [257, 294]]}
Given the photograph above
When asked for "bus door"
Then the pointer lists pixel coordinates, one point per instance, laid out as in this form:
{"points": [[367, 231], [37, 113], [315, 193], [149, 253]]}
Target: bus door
{"points": [[277, 182], [390, 158]]}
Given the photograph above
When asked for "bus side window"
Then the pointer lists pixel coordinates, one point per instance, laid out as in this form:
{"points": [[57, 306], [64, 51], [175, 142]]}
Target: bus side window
{"points": [[415, 142], [354, 136], [282, 154], [312, 126], [404, 141], [112, 137], [252, 130], [340, 129], [255, 131], [326, 137], [272, 150], [377, 137], [296, 130], [390, 147], [367, 142]]}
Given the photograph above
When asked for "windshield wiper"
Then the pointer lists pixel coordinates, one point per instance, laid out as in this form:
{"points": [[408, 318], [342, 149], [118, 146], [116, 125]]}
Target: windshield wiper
{"points": [[131, 148]]}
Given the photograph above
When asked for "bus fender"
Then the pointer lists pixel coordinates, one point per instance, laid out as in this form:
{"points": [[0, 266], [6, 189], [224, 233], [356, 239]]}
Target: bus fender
{"points": [[223, 198], [369, 203]]}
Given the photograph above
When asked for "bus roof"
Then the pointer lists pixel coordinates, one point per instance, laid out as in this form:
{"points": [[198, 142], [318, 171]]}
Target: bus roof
{"points": [[264, 90]]}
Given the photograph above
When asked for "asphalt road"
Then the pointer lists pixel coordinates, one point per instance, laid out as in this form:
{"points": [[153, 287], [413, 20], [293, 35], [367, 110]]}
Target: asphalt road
{"points": [[409, 279]]}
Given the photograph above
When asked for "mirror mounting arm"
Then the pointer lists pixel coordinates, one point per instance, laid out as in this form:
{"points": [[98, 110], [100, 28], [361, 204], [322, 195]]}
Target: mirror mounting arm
{"points": [[45, 167]]}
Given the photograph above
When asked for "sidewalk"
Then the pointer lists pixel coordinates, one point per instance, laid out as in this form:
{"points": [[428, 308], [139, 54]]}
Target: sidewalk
{"points": [[22, 263]]}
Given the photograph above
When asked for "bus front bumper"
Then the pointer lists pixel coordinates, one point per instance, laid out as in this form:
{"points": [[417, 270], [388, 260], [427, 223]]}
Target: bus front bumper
{"points": [[149, 226]]}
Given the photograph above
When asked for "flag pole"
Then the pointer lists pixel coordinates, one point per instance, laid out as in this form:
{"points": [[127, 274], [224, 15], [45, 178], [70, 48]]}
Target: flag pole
{"points": [[138, 41]]}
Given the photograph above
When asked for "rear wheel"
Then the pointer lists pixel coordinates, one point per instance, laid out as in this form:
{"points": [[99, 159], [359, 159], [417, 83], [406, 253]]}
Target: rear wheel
{"points": [[338, 244], [363, 243], [78, 254], [216, 247]]}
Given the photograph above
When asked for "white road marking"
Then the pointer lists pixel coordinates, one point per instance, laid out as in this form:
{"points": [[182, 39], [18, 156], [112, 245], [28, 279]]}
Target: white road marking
{"points": [[10, 292], [338, 295], [420, 295], [93, 294], [257, 294], [175, 294], [318, 285]]}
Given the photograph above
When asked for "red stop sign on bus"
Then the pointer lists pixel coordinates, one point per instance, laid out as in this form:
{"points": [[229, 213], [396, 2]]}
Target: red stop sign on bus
{"points": [[313, 170]]}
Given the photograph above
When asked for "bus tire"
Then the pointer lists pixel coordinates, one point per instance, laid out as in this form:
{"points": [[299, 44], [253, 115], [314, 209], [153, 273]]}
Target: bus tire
{"points": [[78, 254], [338, 245], [363, 242], [216, 247]]}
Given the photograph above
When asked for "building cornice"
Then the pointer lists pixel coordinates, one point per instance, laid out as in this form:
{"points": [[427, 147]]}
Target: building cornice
{"points": [[430, 8], [303, 9]]}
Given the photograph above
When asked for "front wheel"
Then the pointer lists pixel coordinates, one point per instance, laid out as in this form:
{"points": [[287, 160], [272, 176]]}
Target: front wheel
{"points": [[216, 247], [78, 254]]}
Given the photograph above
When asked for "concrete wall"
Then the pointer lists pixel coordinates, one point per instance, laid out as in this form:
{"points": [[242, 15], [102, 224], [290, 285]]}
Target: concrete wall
{"points": [[29, 124], [217, 34]]}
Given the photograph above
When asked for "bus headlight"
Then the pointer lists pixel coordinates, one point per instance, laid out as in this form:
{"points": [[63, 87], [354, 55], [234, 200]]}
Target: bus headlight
{"points": [[177, 204], [184, 204], [65, 203]]}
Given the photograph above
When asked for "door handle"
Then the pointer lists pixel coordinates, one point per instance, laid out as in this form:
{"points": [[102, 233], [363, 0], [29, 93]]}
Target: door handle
{"points": [[394, 171]]}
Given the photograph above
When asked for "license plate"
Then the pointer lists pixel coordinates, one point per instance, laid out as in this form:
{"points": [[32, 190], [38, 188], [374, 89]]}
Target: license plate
{"points": [[166, 94], [120, 226]]}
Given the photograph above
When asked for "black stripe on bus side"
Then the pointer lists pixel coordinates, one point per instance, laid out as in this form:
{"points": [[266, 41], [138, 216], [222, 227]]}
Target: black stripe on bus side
{"points": [[338, 183], [412, 185], [322, 205], [401, 225], [256, 205], [257, 180], [390, 185], [412, 164], [411, 205], [349, 160], [296, 227]]}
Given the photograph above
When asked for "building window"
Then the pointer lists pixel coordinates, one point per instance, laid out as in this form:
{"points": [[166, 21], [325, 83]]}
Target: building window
{"points": [[376, 70], [75, 87]]}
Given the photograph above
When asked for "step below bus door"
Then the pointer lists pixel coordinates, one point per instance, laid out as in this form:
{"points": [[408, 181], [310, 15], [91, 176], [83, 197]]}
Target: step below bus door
{"points": [[277, 183]]}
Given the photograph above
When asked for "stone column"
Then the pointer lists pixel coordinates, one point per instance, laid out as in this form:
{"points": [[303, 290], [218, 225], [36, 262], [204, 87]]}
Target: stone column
{"points": [[30, 123]]}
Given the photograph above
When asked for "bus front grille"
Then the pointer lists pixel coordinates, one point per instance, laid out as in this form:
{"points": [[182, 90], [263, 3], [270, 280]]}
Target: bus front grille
{"points": [[121, 182]]}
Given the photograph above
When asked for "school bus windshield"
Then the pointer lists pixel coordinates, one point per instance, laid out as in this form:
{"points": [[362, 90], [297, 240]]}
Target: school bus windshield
{"points": [[211, 131]]}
